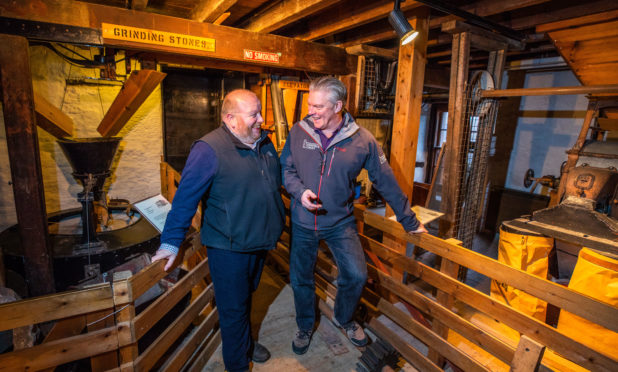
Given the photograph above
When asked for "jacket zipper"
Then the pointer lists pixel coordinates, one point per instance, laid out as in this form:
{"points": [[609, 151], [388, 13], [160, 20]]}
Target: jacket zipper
{"points": [[315, 214]]}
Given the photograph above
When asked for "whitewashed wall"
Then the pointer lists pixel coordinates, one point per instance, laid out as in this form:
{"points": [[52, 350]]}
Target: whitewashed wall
{"points": [[546, 128], [136, 165]]}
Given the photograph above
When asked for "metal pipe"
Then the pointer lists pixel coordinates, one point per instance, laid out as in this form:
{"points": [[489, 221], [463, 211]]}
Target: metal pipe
{"points": [[591, 89], [473, 19]]}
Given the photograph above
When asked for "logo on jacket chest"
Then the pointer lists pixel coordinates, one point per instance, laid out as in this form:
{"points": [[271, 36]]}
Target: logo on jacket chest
{"points": [[310, 145]]}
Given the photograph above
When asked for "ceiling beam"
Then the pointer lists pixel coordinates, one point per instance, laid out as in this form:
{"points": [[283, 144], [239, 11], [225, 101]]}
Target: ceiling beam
{"points": [[286, 12], [368, 50], [353, 17], [220, 19], [139, 4], [210, 10], [230, 43]]}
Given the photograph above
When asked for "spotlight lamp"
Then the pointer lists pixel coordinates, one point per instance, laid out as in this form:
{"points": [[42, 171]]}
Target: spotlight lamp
{"points": [[401, 25]]}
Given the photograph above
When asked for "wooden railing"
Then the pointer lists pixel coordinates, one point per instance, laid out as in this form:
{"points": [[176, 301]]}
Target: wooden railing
{"points": [[539, 340], [100, 322]]}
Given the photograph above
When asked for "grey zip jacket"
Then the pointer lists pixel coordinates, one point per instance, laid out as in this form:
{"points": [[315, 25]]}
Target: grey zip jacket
{"points": [[330, 173]]}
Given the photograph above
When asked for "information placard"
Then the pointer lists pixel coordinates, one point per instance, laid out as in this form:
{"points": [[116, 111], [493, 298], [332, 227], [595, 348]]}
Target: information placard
{"points": [[155, 210]]}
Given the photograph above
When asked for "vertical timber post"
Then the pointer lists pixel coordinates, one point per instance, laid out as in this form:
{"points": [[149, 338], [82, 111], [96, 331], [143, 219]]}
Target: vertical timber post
{"points": [[23, 148], [407, 116]]}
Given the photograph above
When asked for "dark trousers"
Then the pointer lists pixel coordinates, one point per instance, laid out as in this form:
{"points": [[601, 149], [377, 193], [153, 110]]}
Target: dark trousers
{"points": [[345, 246], [235, 276]]}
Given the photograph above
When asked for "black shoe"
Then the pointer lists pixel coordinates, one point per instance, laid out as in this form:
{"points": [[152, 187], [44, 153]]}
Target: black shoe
{"points": [[260, 353], [301, 342]]}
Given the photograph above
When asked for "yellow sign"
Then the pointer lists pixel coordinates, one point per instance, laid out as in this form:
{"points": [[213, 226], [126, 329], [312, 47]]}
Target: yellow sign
{"points": [[170, 39], [297, 85]]}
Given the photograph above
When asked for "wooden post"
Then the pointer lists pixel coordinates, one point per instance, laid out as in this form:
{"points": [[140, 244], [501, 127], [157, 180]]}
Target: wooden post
{"points": [[460, 57], [407, 117], [125, 314], [451, 269], [23, 148], [528, 355]]}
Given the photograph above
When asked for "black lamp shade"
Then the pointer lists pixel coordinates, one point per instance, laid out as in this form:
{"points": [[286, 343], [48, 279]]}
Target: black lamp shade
{"points": [[402, 27]]}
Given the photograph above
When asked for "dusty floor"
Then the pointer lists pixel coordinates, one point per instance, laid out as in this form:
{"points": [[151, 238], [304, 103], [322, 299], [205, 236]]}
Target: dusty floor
{"points": [[273, 320]]}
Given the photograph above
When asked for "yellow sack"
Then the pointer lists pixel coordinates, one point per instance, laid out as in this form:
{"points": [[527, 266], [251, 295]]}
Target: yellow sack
{"points": [[527, 253], [595, 275]]}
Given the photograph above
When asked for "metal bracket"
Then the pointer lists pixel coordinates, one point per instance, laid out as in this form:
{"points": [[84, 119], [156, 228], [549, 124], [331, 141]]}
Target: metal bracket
{"points": [[45, 31]]}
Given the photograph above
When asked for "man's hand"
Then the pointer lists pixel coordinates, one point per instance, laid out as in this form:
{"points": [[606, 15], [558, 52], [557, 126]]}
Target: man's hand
{"points": [[309, 200], [421, 229], [164, 254]]}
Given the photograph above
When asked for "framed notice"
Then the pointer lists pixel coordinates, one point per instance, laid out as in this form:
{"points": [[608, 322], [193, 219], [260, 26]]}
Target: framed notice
{"points": [[155, 210]]}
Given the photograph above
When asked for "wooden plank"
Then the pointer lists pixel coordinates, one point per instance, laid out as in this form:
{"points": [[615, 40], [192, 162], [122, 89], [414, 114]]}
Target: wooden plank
{"points": [[139, 4], [55, 306], [191, 343], [205, 355], [407, 115], [447, 267], [210, 10], [124, 313], [61, 351], [429, 338], [598, 73], [579, 304], [285, 13], [499, 349], [460, 58], [150, 356], [135, 91], [578, 21], [52, 119], [369, 50], [528, 355], [590, 51], [407, 351], [590, 89], [456, 27], [230, 42], [220, 19], [590, 32], [97, 321], [23, 149], [349, 17], [153, 313], [539, 331]]}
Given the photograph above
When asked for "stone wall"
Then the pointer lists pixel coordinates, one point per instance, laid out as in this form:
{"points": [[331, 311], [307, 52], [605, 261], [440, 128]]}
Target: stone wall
{"points": [[135, 170]]}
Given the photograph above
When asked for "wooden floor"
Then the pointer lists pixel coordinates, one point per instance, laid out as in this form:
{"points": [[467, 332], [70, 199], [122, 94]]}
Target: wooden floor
{"points": [[273, 319]]}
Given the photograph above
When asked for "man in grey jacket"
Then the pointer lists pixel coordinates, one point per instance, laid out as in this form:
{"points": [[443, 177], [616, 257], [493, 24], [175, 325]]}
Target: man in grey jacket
{"points": [[321, 159]]}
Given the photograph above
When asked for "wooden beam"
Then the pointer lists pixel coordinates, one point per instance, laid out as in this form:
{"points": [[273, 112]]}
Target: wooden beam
{"points": [[408, 101], [134, 92], [220, 19], [210, 10], [368, 50], [352, 16], [578, 22], [23, 148], [139, 4], [528, 355], [436, 77], [286, 12], [552, 91], [52, 119], [456, 27], [230, 42], [459, 75]]}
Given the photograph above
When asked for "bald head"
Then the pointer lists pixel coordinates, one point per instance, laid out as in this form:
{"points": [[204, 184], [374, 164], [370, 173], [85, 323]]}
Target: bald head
{"points": [[241, 113], [235, 100]]}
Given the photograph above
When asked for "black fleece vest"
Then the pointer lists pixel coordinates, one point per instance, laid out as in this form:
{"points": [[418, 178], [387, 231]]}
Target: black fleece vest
{"points": [[243, 210]]}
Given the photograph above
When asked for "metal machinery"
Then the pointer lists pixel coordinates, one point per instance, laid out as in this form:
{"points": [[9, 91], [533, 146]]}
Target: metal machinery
{"points": [[85, 244], [584, 209]]}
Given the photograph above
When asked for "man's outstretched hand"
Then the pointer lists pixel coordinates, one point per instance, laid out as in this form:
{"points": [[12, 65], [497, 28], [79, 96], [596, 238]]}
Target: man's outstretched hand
{"points": [[421, 229], [165, 254], [310, 201]]}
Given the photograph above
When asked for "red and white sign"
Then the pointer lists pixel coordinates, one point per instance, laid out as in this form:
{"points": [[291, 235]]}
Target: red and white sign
{"points": [[255, 55]]}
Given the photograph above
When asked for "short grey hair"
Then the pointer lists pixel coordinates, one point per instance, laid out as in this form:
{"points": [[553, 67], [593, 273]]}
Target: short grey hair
{"points": [[333, 86]]}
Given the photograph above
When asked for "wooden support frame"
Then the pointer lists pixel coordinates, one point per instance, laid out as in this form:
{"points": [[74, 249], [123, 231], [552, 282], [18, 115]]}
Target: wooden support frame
{"points": [[23, 147], [230, 43], [286, 12], [595, 90]]}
